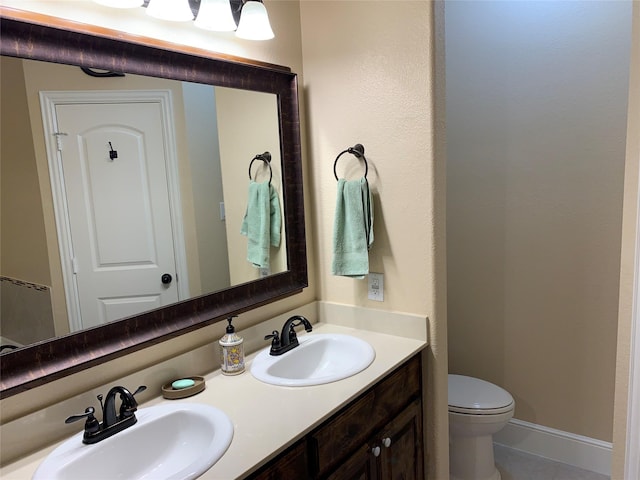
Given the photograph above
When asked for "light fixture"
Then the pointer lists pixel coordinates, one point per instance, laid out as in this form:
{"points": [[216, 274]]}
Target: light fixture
{"points": [[215, 15], [254, 22], [173, 10], [249, 18], [120, 3]]}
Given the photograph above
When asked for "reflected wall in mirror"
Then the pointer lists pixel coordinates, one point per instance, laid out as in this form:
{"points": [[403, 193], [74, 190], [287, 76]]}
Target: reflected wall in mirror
{"points": [[51, 282], [238, 83]]}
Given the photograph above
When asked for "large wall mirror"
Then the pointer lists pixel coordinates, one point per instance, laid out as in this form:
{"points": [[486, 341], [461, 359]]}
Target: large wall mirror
{"points": [[82, 201]]}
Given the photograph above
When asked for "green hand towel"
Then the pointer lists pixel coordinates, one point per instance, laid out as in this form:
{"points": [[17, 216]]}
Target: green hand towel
{"points": [[262, 223], [275, 216], [352, 229]]}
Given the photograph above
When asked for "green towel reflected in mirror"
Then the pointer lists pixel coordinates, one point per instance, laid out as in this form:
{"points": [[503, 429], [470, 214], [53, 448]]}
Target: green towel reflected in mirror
{"points": [[261, 223]]}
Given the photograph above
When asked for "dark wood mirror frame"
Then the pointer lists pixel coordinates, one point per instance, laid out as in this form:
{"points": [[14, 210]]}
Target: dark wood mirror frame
{"points": [[39, 37]]}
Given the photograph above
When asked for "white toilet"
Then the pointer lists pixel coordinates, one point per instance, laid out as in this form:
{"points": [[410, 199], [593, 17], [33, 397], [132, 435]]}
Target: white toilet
{"points": [[477, 410]]}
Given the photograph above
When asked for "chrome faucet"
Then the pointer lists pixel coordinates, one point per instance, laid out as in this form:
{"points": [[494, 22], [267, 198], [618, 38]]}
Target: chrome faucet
{"points": [[112, 422], [288, 340]]}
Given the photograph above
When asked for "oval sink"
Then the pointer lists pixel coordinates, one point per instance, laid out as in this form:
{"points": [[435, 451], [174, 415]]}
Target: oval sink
{"points": [[320, 358], [169, 441]]}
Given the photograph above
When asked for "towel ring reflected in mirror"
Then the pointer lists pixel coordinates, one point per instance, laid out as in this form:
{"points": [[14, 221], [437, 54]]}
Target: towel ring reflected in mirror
{"points": [[266, 158], [358, 151]]}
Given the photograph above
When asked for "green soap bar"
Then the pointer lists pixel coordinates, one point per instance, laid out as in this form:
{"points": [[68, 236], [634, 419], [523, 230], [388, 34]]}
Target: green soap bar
{"points": [[184, 383]]}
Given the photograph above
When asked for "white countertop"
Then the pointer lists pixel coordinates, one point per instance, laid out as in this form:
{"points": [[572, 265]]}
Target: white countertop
{"points": [[269, 418]]}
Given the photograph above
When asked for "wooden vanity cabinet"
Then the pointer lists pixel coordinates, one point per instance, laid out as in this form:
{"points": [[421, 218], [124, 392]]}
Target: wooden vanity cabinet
{"points": [[393, 453], [377, 436], [292, 464]]}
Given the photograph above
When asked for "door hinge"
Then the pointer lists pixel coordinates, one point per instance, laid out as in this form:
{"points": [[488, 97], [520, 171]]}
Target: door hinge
{"points": [[59, 136], [74, 265]]}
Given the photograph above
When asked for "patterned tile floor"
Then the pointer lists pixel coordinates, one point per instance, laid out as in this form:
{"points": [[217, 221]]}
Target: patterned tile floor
{"points": [[516, 465]]}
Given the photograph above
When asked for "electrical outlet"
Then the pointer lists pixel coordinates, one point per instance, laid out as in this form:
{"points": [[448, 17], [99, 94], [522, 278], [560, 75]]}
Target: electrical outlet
{"points": [[376, 287]]}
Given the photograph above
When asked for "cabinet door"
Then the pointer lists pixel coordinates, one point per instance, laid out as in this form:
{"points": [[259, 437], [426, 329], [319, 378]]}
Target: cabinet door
{"points": [[291, 465], [360, 466], [401, 444], [394, 453], [355, 424]]}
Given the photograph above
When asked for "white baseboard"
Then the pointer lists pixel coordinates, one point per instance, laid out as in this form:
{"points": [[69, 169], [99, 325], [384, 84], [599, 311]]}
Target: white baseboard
{"points": [[583, 452]]}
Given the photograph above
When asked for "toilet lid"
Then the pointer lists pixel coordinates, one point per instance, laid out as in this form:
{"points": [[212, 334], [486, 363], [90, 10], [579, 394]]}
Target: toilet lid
{"points": [[468, 393]]}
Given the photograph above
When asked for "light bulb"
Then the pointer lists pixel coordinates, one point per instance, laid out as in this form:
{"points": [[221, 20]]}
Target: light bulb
{"points": [[215, 15], [254, 22], [120, 3], [173, 10]]}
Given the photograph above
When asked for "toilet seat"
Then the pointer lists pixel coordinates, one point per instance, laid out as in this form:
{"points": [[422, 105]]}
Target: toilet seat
{"points": [[473, 396], [477, 411]]}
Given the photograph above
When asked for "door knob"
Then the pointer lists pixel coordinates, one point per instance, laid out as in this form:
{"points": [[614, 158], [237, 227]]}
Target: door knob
{"points": [[376, 451], [166, 279], [386, 442]]}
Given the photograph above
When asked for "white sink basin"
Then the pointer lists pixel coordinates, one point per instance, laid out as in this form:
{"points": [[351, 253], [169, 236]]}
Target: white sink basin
{"points": [[320, 358], [169, 441]]}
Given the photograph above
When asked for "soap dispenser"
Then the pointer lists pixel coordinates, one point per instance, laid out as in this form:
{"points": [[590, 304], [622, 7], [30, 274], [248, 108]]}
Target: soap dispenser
{"points": [[231, 351]]}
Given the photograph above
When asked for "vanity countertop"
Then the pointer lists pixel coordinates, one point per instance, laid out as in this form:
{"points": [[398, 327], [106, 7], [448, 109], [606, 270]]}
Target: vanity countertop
{"points": [[269, 418]]}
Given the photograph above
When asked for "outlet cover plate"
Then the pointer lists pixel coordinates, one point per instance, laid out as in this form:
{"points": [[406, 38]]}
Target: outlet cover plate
{"points": [[376, 287]]}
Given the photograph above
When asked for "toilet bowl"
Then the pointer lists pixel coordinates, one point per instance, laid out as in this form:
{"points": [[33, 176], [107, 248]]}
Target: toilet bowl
{"points": [[477, 410]]}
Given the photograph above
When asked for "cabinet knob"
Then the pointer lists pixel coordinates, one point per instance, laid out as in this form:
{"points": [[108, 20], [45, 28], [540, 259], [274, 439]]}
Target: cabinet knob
{"points": [[376, 451], [386, 442]]}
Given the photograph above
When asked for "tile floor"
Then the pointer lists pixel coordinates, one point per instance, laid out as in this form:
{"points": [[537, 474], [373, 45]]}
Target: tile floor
{"points": [[516, 465]]}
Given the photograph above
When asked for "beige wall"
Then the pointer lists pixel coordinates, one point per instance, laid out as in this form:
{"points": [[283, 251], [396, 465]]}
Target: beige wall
{"points": [[206, 181], [24, 245], [536, 121], [26, 314], [628, 262], [369, 80]]}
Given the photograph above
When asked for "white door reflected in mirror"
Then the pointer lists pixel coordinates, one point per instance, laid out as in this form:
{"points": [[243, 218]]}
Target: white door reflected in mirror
{"points": [[118, 202]]}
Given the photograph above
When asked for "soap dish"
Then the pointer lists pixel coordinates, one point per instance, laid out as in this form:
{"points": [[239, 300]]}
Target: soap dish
{"points": [[172, 394]]}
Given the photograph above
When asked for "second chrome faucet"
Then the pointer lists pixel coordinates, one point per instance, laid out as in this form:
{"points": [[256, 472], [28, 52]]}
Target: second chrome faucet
{"points": [[287, 340]]}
